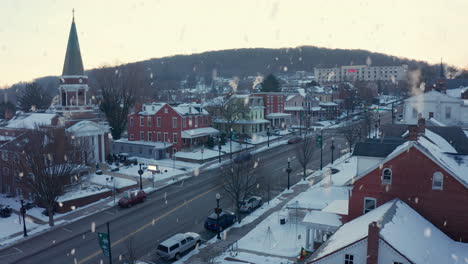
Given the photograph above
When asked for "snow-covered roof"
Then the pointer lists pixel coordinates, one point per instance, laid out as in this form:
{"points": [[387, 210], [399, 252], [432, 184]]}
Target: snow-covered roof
{"points": [[31, 121], [432, 96], [436, 122], [151, 109], [318, 197], [87, 128], [456, 92], [190, 109], [302, 92], [337, 207], [199, 132], [437, 149], [328, 104], [157, 145], [405, 230], [294, 108], [276, 115], [6, 138], [244, 121], [323, 219]]}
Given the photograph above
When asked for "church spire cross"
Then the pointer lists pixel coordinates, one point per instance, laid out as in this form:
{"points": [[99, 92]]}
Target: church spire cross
{"points": [[73, 14]]}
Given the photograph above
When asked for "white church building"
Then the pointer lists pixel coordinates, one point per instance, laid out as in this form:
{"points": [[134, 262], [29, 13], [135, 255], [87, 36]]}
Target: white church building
{"points": [[446, 109]]}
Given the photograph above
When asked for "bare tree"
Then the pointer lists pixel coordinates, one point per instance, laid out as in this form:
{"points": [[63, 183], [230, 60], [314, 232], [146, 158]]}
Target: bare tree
{"points": [[351, 132], [305, 152], [120, 87], [366, 123], [232, 111], [131, 254], [45, 161], [239, 181]]}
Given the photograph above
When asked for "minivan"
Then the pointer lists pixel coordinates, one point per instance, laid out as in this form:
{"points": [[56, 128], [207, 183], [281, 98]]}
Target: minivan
{"points": [[176, 245]]}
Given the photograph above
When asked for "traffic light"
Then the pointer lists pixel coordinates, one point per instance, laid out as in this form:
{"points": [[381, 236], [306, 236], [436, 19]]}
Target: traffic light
{"points": [[318, 140], [218, 210]]}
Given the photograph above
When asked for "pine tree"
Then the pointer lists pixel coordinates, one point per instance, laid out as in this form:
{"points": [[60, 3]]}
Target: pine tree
{"points": [[270, 84], [34, 97]]}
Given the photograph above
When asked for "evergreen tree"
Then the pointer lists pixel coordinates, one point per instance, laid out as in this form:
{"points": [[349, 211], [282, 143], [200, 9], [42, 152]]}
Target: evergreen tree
{"points": [[270, 84], [210, 143], [34, 97]]}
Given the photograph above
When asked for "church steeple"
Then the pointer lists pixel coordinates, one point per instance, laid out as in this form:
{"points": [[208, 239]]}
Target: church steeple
{"points": [[73, 64]]}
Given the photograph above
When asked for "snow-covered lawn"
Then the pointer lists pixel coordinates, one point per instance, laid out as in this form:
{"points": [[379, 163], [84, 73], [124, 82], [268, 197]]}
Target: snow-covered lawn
{"points": [[260, 139], [12, 224], [165, 171], [117, 182], [82, 192], [271, 237]]}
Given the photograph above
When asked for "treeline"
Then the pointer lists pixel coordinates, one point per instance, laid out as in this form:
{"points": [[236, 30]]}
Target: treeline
{"points": [[166, 73]]}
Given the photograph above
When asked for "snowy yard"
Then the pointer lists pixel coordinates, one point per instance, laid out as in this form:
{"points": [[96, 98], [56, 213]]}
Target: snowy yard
{"points": [[104, 180], [165, 171], [12, 224], [251, 258]]}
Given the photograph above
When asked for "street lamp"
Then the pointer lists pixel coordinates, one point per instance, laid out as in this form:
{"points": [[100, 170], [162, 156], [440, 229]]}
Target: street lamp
{"points": [[268, 135], [219, 149], [332, 147], [140, 171], [288, 170], [23, 213], [218, 211]]}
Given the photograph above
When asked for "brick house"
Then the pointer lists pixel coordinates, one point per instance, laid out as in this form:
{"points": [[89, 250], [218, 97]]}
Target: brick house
{"points": [[274, 103], [426, 172], [176, 127]]}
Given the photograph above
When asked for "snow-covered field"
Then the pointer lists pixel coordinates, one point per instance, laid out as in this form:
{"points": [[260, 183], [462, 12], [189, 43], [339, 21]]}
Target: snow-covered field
{"points": [[165, 171], [116, 182], [82, 192]]}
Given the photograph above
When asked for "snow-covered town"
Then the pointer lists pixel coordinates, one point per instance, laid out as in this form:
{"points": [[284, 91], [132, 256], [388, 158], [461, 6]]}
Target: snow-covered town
{"points": [[249, 155]]}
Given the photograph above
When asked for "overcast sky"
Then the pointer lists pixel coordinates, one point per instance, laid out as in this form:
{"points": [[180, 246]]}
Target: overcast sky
{"points": [[33, 34]]}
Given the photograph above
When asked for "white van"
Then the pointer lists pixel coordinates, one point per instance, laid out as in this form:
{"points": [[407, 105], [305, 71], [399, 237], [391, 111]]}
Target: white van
{"points": [[174, 246]]}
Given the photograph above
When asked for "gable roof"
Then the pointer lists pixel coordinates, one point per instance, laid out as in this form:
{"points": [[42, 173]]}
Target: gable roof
{"points": [[405, 230], [87, 128], [433, 96], [453, 135], [455, 165], [375, 149], [31, 121]]}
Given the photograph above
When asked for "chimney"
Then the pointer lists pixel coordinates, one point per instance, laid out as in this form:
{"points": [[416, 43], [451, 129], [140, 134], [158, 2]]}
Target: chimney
{"points": [[373, 243], [8, 114], [138, 107], [421, 125], [464, 95], [413, 132]]}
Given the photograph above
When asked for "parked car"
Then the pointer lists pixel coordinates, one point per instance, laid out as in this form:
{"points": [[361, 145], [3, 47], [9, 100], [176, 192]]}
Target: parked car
{"points": [[115, 169], [294, 140], [176, 245], [132, 197], [250, 203], [5, 211], [226, 219], [98, 172], [242, 157]]}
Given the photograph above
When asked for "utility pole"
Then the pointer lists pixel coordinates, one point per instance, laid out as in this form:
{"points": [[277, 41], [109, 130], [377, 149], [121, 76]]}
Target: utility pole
{"points": [[23, 212], [110, 244], [288, 170], [321, 149]]}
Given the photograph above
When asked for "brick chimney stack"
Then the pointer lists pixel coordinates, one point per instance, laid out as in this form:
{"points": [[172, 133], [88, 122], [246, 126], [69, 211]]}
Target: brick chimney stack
{"points": [[421, 125], [373, 243], [413, 132]]}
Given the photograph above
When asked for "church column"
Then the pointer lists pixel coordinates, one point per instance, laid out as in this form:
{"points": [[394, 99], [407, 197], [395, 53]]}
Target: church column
{"points": [[66, 98], [103, 149], [76, 98], [60, 96], [84, 91]]}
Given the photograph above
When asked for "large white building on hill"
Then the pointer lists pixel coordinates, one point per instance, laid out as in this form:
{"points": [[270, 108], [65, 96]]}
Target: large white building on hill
{"points": [[361, 73]]}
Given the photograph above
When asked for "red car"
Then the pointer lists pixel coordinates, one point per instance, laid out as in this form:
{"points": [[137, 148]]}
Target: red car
{"points": [[294, 140], [132, 197]]}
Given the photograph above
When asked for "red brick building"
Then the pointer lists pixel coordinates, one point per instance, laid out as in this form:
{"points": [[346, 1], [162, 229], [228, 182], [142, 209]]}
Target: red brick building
{"points": [[274, 109], [433, 183], [181, 126]]}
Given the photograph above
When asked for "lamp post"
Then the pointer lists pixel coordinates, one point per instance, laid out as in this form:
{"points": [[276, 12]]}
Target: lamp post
{"points": [[140, 171], [219, 149], [217, 211], [321, 149], [332, 147], [288, 170], [268, 135], [23, 213]]}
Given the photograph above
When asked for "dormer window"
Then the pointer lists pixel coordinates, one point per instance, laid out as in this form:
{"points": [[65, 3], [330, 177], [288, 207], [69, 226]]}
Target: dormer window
{"points": [[387, 176], [437, 181]]}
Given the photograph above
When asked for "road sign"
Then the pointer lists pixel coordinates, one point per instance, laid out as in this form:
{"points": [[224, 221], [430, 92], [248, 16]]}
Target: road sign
{"points": [[104, 243]]}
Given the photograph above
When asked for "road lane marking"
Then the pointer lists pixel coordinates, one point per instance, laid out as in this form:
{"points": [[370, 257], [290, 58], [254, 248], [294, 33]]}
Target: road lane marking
{"points": [[68, 230], [150, 223], [18, 251]]}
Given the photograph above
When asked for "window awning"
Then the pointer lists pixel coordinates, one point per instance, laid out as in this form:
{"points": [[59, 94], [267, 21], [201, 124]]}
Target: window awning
{"points": [[199, 132]]}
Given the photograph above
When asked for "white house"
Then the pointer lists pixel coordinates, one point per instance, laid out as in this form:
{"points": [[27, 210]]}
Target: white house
{"points": [[392, 233], [444, 108]]}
